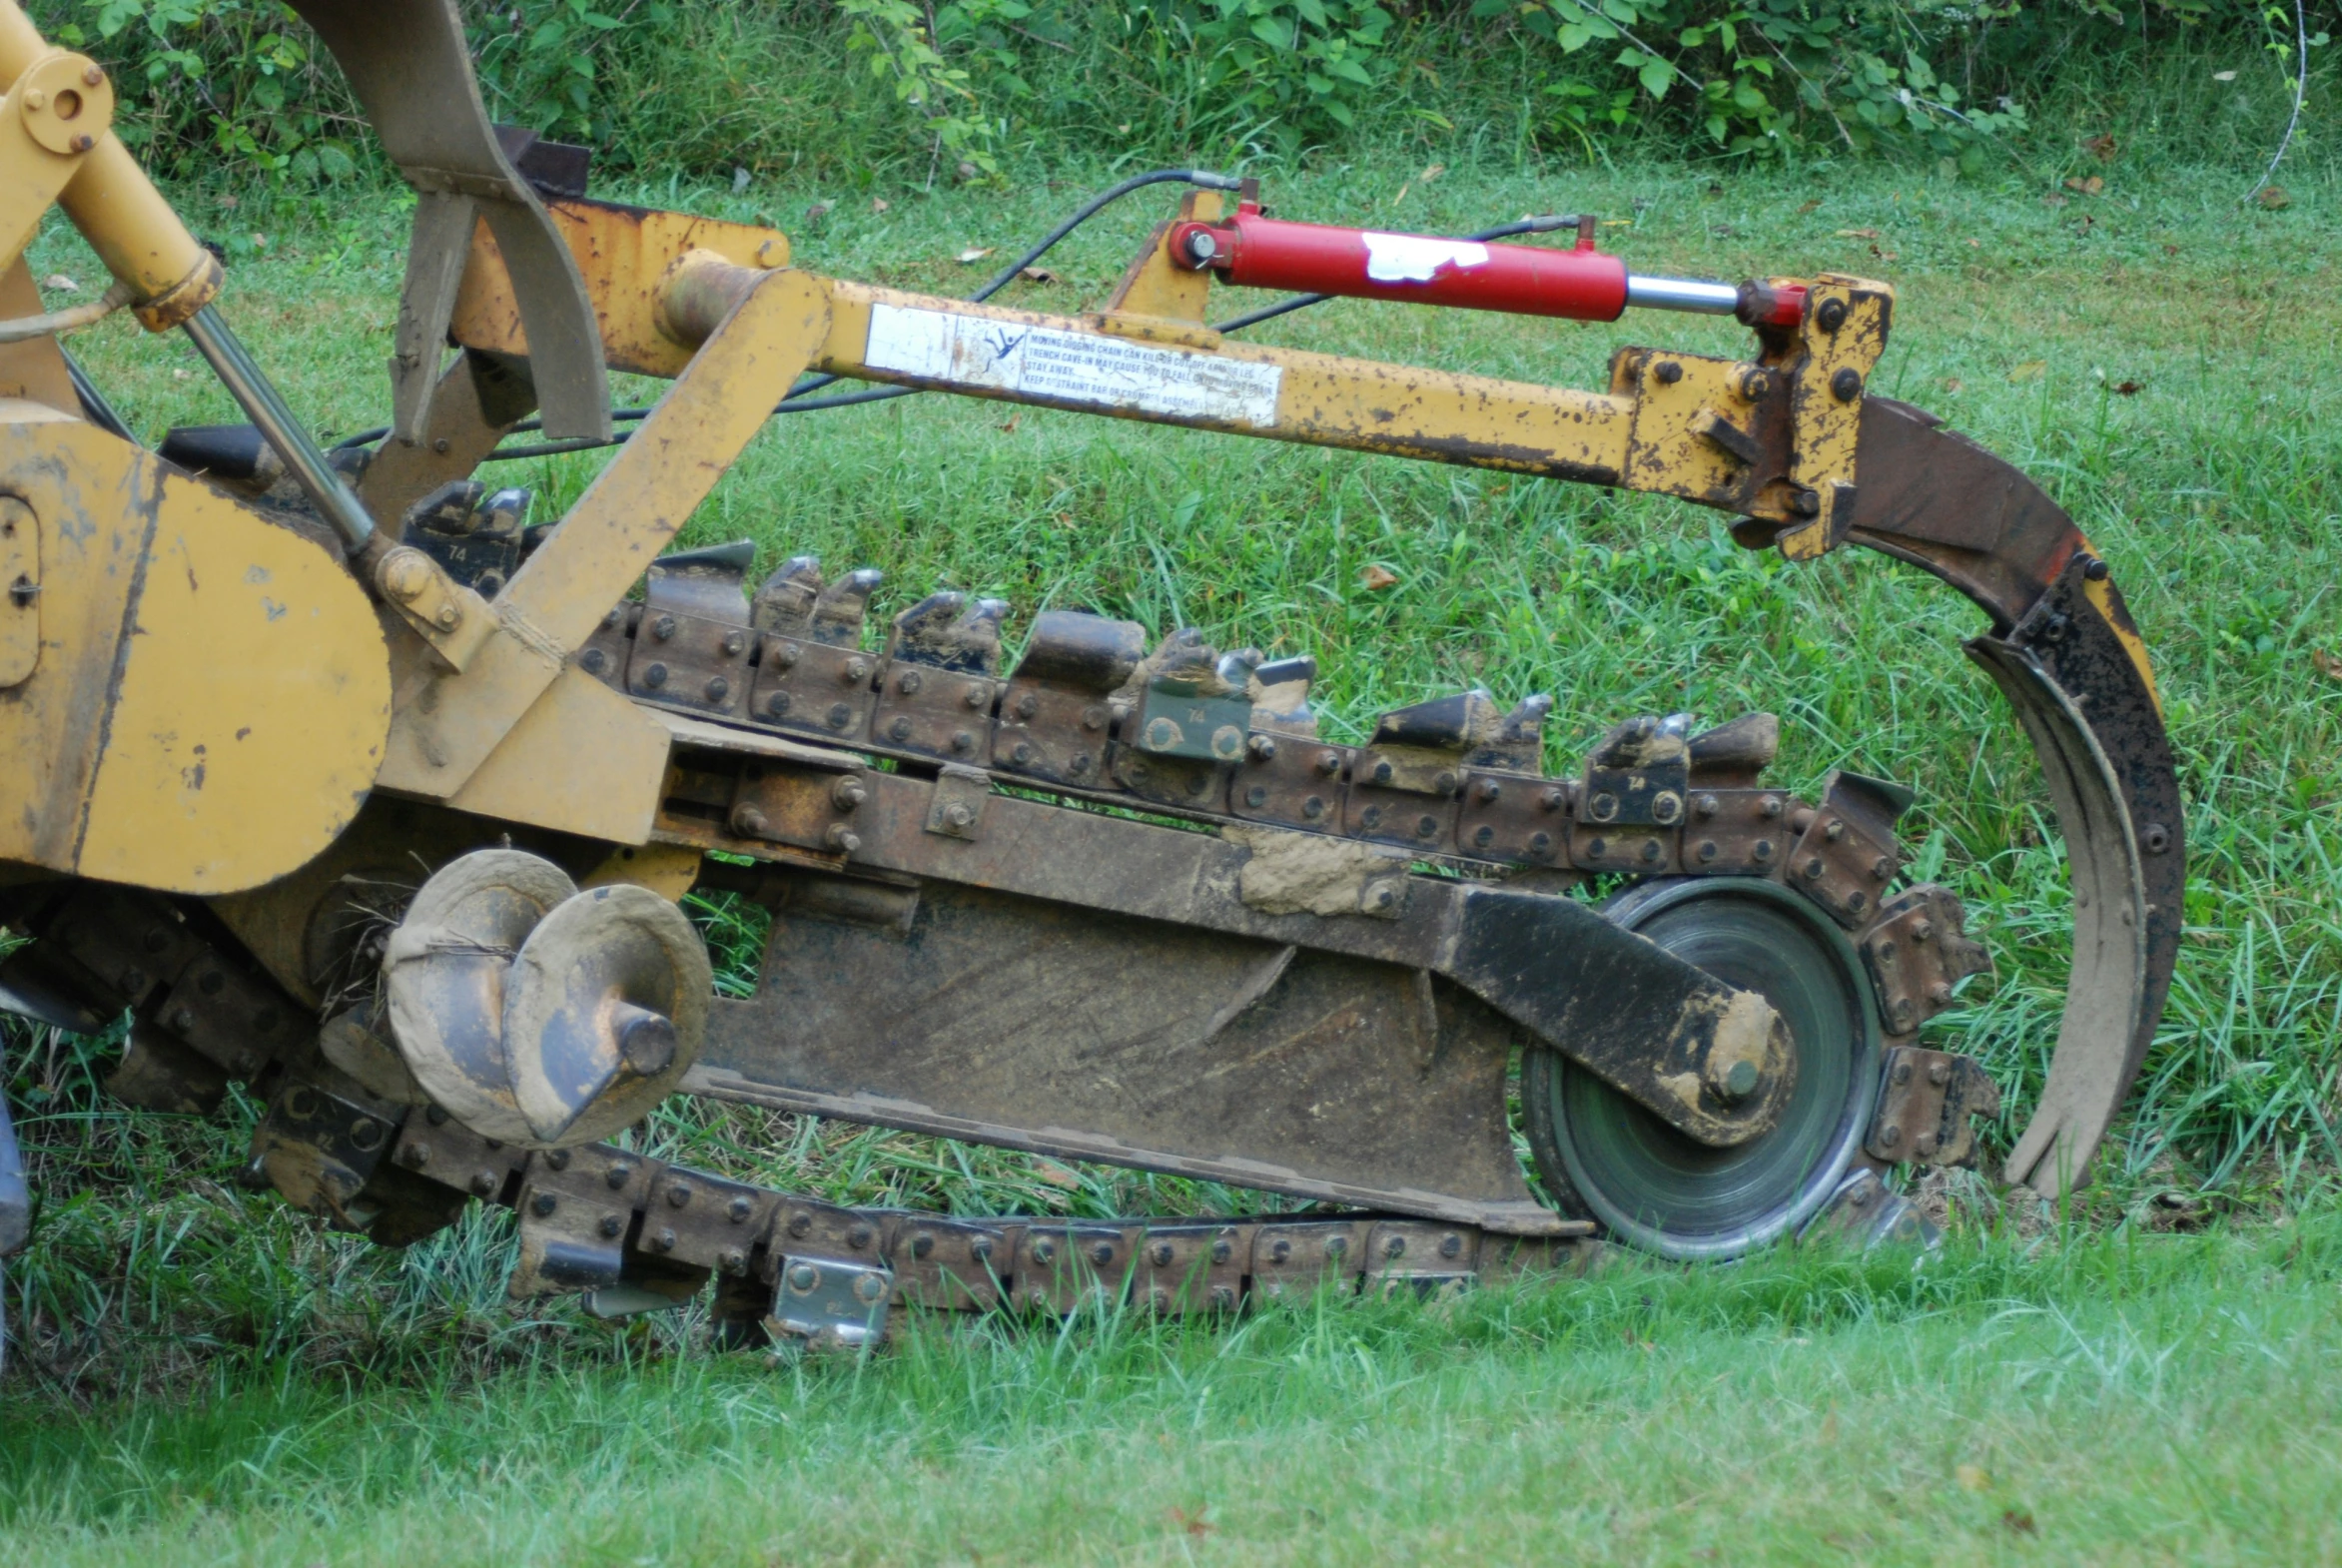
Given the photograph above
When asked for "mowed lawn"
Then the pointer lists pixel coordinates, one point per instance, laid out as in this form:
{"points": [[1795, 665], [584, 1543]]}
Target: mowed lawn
{"points": [[2154, 1375]]}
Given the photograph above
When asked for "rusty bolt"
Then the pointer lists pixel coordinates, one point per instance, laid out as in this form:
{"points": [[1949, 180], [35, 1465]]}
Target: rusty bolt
{"points": [[593, 661], [800, 1224], [1846, 385], [868, 1288], [1378, 897], [1602, 808], [83, 143], [855, 671], [1922, 930], [1667, 372], [679, 1195], [1856, 902], [1080, 766], [655, 676], [1383, 773], [980, 1248], [1834, 830], [1901, 1072], [1541, 844], [907, 683], [841, 838], [1763, 853], [1335, 1247], [1903, 1015], [1755, 382], [719, 688], [976, 696], [1451, 1244], [804, 1276], [365, 1134], [859, 1236], [1924, 1146], [1551, 800], [739, 1208], [1443, 784], [1831, 314], [1706, 805], [1483, 836], [732, 1260], [1028, 705], [1940, 1074], [1890, 1137], [900, 730], [1223, 1249], [1805, 504], [1426, 827], [414, 1156], [1394, 1246], [610, 1227], [1814, 869], [544, 1205], [1257, 797], [1706, 851], [1329, 762], [1370, 818], [962, 740], [1597, 847], [436, 1115], [1279, 1250], [782, 655], [922, 1245], [748, 822], [736, 643], [1769, 806], [1490, 791], [618, 1176], [559, 1159], [1314, 807], [1020, 753], [483, 1182], [663, 628], [1045, 1250], [958, 815], [840, 715], [1666, 808], [406, 575], [1882, 868], [1103, 1253], [848, 793], [1263, 748], [664, 1241]]}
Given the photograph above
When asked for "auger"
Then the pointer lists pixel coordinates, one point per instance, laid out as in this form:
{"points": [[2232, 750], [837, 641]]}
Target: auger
{"points": [[346, 784]]}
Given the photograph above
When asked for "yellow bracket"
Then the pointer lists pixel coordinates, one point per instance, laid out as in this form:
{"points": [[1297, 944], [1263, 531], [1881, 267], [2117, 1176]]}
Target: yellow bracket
{"points": [[54, 112]]}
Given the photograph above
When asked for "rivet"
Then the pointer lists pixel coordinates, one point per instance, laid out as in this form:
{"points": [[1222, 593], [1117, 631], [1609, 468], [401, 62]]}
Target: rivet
{"points": [[1371, 817], [1028, 705], [1426, 827], [416, 1156], [618, 1176], [1279, 1250], [611, 1225], [976, 696], [1890, 1137], [901, 728], [857, 1236], [740, 1208], [664, 1241], [782, 655], [558, 1159], [1103, 1253], [663, 628], [544, 1205], [840, 716], [655, 676], [679, 1195], [1329, 762], [1383, 774], [1483, 836], [483, 1182], [1706, 851], [1451, 1244], [1314, 807], [1394, 1246], [1045, 1250], [1443, 784], [962, 740], [1834, 829], [922, 1245], [1263, 748], [908, 682], [732, 1260], [1257, 797], [719, 688], [800, 1222], [804, 1276], [436, 1115], [1222, 1251], [736, 643]]}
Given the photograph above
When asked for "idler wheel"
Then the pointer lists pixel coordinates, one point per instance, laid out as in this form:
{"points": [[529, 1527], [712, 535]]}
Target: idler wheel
{"points": [[1607, 1158]]}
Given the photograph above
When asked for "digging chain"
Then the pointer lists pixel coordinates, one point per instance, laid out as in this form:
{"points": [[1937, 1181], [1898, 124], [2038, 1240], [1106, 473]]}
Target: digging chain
{"points": [[1089, 713]]}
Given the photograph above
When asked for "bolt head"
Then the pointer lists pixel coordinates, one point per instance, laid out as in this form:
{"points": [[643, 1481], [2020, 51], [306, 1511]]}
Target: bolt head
{"points": [[804, 1276], [1846, 385], [610, 1227], [680, 1195], [1830, 316], [544, 1205], [1890, 1137]]}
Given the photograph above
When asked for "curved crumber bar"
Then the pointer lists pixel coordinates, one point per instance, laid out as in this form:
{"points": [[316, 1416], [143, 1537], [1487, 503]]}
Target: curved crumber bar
{"points": [[2064, 651]]}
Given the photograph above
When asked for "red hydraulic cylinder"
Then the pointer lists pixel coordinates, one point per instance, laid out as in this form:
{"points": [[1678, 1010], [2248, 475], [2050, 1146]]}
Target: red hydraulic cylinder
{"points": [[1254, 252]]}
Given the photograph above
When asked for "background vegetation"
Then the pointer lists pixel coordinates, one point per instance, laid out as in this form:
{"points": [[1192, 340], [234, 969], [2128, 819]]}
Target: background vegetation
{"points": [[198, 1374]]}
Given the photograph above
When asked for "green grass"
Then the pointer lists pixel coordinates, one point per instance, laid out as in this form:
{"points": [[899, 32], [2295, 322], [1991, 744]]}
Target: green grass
{"points": [[2166, 1399], [205, 1374]]}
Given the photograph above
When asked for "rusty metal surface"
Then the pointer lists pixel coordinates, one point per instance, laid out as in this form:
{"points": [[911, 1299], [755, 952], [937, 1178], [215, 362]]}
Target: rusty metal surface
{"points": [[1926, 1101]]}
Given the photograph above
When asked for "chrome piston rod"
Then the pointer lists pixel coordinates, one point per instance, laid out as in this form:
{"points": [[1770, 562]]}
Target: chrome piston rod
{"points": [[265, 408]]}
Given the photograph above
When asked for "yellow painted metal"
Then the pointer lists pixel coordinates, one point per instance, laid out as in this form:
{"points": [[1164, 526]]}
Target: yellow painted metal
{"points": [[1324, 399], [64, 100], [36, 165], [118, 211], [623, 252], [582, 759], [1827, 425], [20, 592], [35, 367], [668, 870], [609, 539], [213, 695], [2102, 598], [1688, 411], [1158, 288]]}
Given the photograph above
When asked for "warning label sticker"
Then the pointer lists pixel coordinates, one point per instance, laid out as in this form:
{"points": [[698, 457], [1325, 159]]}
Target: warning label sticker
{"points": [[1076, 368]]}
